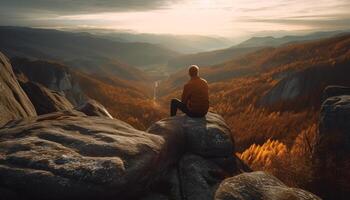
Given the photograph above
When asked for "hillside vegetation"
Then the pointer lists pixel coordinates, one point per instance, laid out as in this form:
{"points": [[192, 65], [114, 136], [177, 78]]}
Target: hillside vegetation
{"points": [[82, 51], [292, 56], [273, 110]]}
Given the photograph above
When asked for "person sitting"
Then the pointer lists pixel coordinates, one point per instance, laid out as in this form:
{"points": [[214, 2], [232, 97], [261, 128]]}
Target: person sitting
{"points": [[195, 96]]}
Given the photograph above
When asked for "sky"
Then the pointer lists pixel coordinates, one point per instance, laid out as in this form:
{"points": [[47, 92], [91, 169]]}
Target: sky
{"points": [[226, 18]]}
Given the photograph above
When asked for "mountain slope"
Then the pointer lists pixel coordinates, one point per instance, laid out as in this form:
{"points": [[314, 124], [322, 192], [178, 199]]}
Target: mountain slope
{"points": [[208, 58], [274, 42], [179, 43], [293, 56], [83, 51], [127, 100]]}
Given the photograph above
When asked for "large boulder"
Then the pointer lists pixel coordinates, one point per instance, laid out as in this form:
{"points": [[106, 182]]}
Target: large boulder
{"points": [[335, 90], [207, 155], [14, 103], [200, 177], [45, 100], [68, 155], [332, 148], [208, 136], [259, 185], [94, 108]]}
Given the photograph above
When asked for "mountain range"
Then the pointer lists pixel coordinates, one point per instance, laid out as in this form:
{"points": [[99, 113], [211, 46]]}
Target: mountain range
{"points": [[82, 51], [209, 58]]}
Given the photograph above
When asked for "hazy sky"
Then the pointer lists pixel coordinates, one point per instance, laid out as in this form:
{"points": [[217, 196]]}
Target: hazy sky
{"points": [[231, 18]]}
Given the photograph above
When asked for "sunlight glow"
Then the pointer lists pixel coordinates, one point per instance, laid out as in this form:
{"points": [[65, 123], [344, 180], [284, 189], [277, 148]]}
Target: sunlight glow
{"points": [[221, 17]]}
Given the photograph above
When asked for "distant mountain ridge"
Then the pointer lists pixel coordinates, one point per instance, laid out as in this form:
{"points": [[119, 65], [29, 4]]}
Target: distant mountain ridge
{"points": [[277, 41], [208, 58], [179, 43], [293, 56], [83, 51]]}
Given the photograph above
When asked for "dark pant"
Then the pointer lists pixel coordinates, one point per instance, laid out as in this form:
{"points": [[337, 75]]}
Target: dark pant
{"points": [[177, 104]]}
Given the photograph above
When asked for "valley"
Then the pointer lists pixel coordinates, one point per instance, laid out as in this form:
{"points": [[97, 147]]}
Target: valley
{"points": [[268, 90]]}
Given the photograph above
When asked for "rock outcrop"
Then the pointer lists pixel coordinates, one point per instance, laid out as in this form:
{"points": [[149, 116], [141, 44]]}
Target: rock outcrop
{"points": [[45, 100], [259, 185], [305, 86], [94, 108], [207, 155], [54, 76], [14, 103], [332, 149], [68, 155], [335, 90]]}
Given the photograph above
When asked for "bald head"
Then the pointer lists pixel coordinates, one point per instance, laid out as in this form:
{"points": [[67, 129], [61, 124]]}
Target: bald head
{"points": [[193, 70]]}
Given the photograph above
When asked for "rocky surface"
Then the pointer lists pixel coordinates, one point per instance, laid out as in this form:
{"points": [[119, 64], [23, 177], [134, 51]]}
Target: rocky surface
{"points": [[207, 137], [67, 155], [45, 100], [306, 86], [259, 185], [332, 149], [335, 90], [14, 103], [52, 75], [94, 108], [207, 155]]}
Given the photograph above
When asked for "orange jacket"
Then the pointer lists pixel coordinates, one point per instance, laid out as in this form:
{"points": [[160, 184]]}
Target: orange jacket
{"points": [[196, 95]]}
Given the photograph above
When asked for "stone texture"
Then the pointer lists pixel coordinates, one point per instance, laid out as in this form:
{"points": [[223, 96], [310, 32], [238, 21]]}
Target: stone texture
{"points": [[14, 103], [93, 108], [332, 148], [68, 155], [51, 75], [200, 177], [207, 155], [207, 137], [45, 100], [259, 186], [335, 90]]}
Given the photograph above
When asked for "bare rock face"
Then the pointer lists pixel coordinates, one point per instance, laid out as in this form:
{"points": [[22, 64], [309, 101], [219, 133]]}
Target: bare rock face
{"points": [[51, 75], [14, 103], [207, 155], [68, 155], [94, 108], [335, 90], [207, 137], [332, 149], [259, 185], [304, 88], [45, 100]]}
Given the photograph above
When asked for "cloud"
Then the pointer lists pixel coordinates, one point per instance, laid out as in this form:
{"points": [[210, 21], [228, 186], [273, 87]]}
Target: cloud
{"points": [[216, 17], [82, 6], [340, 21]]}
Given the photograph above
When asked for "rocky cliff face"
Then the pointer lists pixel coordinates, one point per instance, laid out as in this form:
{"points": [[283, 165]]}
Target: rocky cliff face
{"points": [[332, 149], [206, 155], [305, 86], [52, 75], [45, 100], [14, 103]]}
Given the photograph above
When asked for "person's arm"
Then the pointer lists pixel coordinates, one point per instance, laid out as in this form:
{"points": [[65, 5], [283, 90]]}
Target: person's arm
{"points": [[185, 94]]}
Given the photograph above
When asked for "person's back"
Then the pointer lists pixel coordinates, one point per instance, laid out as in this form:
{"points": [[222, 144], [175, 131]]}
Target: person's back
{"points": [[195, 96], [198, 96]]}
